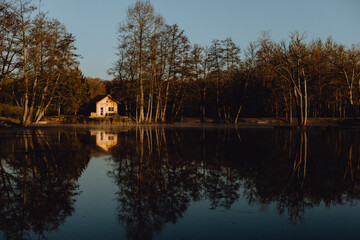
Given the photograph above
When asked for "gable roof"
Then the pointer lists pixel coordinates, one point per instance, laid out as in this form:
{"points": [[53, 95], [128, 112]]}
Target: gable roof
{"points": [[101, 97], [97, 98]]}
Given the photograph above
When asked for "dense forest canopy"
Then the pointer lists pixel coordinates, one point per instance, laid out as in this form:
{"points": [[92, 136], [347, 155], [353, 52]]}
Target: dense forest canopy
{"points": [[159, 76]]}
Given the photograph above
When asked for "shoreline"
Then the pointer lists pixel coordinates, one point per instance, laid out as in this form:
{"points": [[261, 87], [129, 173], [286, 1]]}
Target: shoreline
{"points": [[278, 123]]}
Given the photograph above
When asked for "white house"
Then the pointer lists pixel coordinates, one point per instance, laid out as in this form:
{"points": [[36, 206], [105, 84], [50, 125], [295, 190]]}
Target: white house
{"points": [[103, 105]]}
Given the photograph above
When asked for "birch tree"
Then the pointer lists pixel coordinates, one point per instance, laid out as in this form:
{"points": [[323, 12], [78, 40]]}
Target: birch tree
{"points": [[216, 64], [347, 67], [288, 61], [52, 58], [178, 49], [40, 51], [141, 24], [199, 70]]}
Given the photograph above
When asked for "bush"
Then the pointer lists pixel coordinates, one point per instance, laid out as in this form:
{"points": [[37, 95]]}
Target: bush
{"points": [[10, 111]]}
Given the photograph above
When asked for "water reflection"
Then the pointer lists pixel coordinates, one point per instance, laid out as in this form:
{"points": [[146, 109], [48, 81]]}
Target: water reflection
{"points": [[105, 139], [160, 171], [38, 180]]}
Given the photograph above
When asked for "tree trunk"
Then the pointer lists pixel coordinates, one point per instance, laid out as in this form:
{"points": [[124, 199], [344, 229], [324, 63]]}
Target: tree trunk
{"points": [[218, 96], [149, 111], [158, 106], [163, 113], [237, 115], [305, 110], [141, 112], [202, 105]]}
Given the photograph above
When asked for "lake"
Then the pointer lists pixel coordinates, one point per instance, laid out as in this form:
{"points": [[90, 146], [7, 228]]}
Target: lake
{"points": [[179, 182]]}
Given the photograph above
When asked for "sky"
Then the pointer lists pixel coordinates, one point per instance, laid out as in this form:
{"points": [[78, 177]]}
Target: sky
{"points": [[95, 23]]}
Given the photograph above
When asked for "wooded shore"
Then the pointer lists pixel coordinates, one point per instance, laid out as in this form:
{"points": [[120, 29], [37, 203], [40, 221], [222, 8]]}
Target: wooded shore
{"points": [[160, 76], [243, 122]]}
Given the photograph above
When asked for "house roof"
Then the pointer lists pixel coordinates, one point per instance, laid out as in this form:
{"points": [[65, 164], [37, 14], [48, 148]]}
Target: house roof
{"points": [[101, 97], [97, 98]]}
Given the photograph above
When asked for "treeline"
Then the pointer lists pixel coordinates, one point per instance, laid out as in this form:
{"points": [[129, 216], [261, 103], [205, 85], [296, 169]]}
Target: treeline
{"points": [[160, 76]]}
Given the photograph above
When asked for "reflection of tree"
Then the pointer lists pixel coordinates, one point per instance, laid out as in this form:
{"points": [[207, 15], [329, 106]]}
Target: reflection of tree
{"points": [[149, 193], [159, 175], [293, 197], [161, 170], [351, 178], [308, 170], [38, 174]]}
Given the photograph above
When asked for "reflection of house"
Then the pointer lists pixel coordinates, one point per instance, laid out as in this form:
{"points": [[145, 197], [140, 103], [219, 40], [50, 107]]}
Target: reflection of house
{"points": [[103, 105], [105, 139]]}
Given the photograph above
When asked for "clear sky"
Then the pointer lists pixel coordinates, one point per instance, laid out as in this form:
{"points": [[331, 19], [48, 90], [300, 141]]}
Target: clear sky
{"points": [[95, 22]]}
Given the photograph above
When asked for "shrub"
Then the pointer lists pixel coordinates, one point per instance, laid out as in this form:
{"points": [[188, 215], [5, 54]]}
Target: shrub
{"points": [[10, 111]]}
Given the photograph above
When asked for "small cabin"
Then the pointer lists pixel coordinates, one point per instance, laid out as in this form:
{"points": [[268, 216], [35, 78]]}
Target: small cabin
{"points": [[103, 105]]}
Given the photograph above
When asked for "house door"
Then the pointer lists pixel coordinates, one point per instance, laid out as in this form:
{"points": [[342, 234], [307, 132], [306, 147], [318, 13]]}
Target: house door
{"points": [[101, 111]]}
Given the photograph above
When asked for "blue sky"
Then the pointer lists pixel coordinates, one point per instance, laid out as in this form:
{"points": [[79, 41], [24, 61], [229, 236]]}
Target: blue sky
{"points": [[95, 22]]}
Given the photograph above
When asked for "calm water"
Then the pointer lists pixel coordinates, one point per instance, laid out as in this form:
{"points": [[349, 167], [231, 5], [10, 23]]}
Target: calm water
{"points": [[179, 183]]}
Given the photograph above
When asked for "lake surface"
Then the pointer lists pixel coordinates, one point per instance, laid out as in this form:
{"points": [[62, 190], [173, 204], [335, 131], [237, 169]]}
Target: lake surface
{"points": [[180, 182]]}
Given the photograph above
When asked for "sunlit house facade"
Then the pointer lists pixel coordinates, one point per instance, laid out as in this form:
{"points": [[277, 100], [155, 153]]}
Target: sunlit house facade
{"points": [[103, 105]]}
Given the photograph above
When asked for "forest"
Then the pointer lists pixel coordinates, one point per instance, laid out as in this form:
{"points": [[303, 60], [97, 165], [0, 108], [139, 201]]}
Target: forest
{"points": [[160, 76]]}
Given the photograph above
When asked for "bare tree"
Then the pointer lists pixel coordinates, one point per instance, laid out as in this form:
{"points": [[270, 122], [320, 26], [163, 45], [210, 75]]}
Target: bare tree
{"points": [[347, 67], [141, 24], [216, 64], [9, 48], [178, 48], [44, 54], [289, 61]]}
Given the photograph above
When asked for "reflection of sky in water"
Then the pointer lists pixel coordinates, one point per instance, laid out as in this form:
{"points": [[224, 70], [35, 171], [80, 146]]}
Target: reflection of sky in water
{"points": [[97, 207], [250, 222], [95, 217], [95, 214]]}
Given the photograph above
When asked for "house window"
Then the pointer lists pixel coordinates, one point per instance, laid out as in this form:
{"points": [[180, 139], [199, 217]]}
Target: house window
{"points": [[101, 111], [111, 138], [111, 109]]}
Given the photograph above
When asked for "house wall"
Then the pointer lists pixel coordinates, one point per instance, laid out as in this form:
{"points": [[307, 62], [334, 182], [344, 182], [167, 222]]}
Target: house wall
{"points": [[105, 104]]}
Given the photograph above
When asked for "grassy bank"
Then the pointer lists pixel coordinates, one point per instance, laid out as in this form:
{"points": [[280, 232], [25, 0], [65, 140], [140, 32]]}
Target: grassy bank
{"points": [[273, 121], [86, 120]]}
